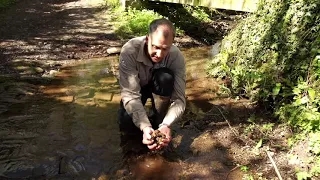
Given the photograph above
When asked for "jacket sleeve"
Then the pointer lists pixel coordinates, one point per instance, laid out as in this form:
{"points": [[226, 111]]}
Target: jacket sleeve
{"points": [[130, 90], [178, 99]]}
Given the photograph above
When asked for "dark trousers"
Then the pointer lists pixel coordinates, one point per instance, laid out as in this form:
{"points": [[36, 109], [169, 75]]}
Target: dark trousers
{"points": [[159, 90]]}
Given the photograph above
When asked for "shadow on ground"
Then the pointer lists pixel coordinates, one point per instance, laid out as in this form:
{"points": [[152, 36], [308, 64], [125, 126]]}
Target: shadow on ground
{"points": [[54, 30]]}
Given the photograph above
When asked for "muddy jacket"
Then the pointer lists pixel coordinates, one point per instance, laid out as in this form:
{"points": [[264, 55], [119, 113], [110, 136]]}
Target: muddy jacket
{"points": [[135, 70]]}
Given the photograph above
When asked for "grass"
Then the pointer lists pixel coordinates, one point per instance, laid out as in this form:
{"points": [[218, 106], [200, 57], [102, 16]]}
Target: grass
{"points": [[133, 22]]}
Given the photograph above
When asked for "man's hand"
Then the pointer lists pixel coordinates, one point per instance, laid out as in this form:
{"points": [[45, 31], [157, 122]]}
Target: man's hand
{"points": [[167, 131], [147, 140]]}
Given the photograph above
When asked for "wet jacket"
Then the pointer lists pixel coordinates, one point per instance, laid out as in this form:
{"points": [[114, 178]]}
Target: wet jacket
{"points": [[135, 70]]}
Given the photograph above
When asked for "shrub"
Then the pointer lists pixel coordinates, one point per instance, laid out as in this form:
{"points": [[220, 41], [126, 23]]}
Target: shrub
{"points": [[6, 3], [275, 61], [134, 22]]}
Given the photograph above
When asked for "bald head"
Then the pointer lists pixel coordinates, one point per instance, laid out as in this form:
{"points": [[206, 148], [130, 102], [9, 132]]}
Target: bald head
{"points": [[160, 39], [162, 26]]}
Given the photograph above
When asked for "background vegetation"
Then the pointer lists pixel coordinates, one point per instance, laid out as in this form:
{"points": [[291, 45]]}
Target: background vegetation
{"points": [[273, 57], [134, 20], [6, 3]]}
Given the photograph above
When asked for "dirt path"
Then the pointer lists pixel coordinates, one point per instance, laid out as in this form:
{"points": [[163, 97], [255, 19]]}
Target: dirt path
{"points": [[55, 30]]}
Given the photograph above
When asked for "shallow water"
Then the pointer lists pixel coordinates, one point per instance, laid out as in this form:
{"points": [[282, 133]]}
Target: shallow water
{"points": [[70, 130]]}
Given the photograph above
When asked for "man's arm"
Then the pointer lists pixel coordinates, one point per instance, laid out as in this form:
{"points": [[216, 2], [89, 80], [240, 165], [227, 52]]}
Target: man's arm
{"points": [[178, 105], [130, 91]]}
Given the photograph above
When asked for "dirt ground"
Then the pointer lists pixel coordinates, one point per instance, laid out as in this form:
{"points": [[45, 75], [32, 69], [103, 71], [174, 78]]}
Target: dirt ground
{"points": [[40, 37]]}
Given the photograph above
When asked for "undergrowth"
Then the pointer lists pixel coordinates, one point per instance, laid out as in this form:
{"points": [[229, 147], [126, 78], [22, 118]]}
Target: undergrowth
{"points": [[273, 57], [134, 22], [6, 3], [189, 20]]}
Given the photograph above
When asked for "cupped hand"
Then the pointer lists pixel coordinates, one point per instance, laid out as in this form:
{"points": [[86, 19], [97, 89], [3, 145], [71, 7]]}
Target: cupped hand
{"points": [[147, 138], [167, 131]]}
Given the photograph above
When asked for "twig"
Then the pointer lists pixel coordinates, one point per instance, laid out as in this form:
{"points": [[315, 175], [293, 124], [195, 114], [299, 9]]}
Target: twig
{"points": [[274, 165], [235, 133], [232, 171]]}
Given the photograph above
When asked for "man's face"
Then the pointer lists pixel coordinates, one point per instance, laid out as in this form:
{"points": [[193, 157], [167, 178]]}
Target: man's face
{"points": [[158, 45]]}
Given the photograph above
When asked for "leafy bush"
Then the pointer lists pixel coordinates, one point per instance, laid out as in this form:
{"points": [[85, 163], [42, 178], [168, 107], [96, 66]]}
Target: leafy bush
{"points": [[273, 57], [134, 22], [198, 12], [112, 3], [275, 60], [6, 3]]}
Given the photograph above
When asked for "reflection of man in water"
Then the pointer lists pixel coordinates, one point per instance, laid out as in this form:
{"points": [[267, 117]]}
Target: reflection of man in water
{"points": [[151, 67]]}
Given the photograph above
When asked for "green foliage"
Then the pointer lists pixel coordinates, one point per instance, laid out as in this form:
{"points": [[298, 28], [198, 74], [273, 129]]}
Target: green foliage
{"points": [[113, 3], [198, 12], [303, 175], [134, 22], [314, 143], [273, 57], [6, 3], [303, 111], [315, 171], [275, 61], [244, 168]]}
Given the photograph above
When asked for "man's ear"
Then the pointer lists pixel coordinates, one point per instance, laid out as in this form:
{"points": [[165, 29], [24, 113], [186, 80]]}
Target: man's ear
{"points": [[147, 38]]}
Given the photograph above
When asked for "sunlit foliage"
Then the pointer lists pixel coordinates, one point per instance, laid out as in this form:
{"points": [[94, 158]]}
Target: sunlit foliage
{"points": [[273, 57]]}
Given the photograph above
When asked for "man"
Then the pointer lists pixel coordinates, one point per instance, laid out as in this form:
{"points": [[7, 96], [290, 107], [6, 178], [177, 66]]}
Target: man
{"points": [[152, 67]]}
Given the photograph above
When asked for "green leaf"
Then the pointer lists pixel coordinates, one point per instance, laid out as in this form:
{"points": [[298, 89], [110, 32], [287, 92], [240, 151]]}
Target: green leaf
{"points": [[259, 144], [302, 100], [303, 175], [296, 91], [276, 90], [312, 94], [244, 168]]}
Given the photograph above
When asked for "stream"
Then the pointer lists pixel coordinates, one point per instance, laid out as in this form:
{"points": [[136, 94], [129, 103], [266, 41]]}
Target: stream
{"points": [[67, 128]]}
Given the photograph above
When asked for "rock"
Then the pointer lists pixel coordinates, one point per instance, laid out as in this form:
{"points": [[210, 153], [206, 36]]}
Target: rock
{"points": [[53, 72], [47, 46], [104, 71], [71, 56], [71, 166], [39, 70], [210, 31], [114, 50], [91, 103], [216, 48], [103, 177]]}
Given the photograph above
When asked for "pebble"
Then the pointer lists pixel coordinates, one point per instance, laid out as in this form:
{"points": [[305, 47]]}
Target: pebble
{"points": [[210, 31], [39, 70], [114, 50], [53, 72]]}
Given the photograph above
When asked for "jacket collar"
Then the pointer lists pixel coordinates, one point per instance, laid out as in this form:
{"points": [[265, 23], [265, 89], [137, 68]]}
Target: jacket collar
{"points": [[142, 56]]}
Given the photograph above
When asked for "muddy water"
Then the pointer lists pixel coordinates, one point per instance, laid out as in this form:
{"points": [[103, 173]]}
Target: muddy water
{"points": [[70, 130]]}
